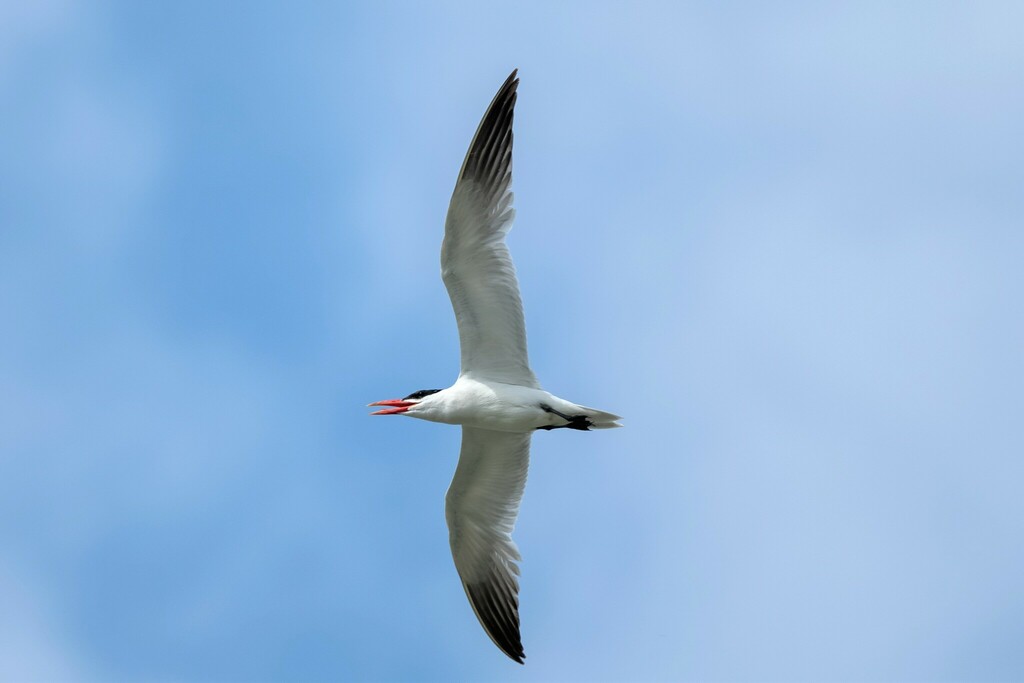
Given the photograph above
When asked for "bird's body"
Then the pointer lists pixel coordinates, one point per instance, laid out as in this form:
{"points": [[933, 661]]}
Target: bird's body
{"points": [[502, 407], [497, 399]]}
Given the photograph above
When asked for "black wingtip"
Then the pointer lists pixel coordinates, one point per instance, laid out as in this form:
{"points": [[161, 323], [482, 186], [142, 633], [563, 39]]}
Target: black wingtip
{"points": [[499, 615], [511, 83], [489, 159], [507, 89]]}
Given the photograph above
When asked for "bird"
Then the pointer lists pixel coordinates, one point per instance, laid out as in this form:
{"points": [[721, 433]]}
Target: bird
{"points": [[496, 398]]}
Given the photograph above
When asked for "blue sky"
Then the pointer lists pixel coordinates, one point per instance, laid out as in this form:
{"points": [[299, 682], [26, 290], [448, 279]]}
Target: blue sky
{"points": [[783, 241]]}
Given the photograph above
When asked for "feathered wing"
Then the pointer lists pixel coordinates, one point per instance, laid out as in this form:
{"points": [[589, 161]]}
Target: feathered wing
{"points": [[481, 508], [475, 263]]}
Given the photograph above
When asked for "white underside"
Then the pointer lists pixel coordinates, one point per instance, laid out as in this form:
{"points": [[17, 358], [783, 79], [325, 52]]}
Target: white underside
{"points": [[486, 404]]}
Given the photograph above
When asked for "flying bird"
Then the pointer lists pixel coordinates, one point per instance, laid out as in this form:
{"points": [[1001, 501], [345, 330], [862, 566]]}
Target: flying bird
{"points": [[496, 399]]}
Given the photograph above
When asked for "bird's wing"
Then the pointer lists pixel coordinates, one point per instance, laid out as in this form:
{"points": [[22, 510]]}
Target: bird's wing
{"points": [[475, 264], [481, 508]]}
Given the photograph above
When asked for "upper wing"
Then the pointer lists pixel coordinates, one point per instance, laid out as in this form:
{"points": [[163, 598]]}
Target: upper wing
{"points": [[475, 263], [481, 508]]}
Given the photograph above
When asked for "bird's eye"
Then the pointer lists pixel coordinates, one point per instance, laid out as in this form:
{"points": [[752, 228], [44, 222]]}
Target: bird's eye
{"points": [[417, 395]]}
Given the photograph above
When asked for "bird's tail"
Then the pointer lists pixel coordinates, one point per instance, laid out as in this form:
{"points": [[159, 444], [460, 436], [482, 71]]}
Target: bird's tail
{"points": [[600, 419]]}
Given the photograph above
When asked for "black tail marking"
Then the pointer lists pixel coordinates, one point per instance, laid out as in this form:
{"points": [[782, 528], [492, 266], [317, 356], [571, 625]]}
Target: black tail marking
{"points": [[580, 422]]}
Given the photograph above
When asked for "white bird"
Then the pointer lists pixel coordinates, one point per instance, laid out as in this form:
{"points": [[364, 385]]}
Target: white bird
{"points": [[496, 398]]}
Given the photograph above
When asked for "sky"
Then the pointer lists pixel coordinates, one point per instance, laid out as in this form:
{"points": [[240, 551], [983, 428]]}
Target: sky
{"points": [[782, 240]]}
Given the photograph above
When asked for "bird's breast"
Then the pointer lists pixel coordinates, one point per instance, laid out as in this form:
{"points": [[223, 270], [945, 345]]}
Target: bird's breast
{"points": [[504, 408]]}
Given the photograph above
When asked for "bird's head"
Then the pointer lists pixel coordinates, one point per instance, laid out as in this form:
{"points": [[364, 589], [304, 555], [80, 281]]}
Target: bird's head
{"points": [[397, 406]]}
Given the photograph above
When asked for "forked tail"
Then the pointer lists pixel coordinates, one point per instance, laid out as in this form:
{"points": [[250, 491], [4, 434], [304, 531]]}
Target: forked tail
{"points": [[600, 419]]}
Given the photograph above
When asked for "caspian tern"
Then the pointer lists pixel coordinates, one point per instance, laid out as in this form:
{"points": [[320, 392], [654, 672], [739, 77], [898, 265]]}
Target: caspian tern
{"points": [[496, 398]]}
